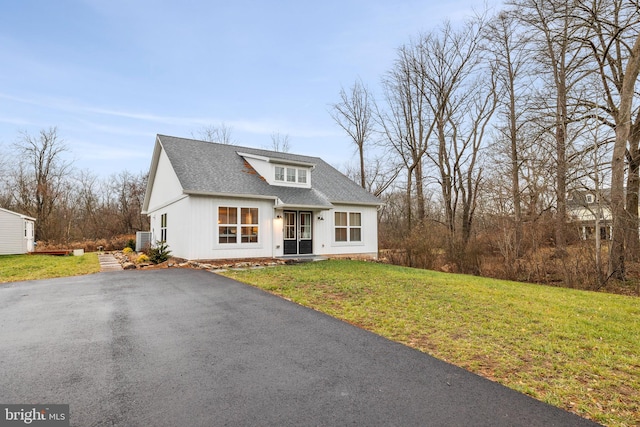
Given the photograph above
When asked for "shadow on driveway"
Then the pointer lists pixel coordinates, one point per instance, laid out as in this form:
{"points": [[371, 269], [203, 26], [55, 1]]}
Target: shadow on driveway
{"points": [[184, 347]]}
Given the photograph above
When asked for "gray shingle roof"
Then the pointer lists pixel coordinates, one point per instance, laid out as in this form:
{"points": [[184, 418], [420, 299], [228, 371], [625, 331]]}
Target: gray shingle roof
{"points": [[210, 168]]}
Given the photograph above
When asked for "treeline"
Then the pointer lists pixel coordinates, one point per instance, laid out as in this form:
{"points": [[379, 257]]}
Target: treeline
{"points": [[479, 132], [69, 205]]}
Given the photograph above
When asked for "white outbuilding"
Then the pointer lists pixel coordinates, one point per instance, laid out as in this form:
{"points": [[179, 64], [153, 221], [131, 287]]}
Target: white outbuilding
{"points": [[16, 233]]}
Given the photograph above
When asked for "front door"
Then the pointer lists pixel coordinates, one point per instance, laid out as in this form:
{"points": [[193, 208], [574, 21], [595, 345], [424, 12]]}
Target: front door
{"points": [[297, 233]]}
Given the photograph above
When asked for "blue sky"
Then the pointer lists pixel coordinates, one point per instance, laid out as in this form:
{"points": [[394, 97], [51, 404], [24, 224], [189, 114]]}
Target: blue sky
{"points": [[112, 74]]}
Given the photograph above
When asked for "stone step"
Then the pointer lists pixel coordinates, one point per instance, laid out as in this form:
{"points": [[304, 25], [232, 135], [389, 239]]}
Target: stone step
{"points": [[108, 263]]}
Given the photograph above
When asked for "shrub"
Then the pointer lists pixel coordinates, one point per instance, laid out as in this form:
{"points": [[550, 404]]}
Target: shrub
{"points": [[159, 253], [127, 250], [142, 259], [131, 244]]}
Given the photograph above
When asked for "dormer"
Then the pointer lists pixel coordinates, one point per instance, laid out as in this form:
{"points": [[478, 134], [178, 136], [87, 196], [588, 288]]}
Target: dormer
{"points": [[279, 171]]}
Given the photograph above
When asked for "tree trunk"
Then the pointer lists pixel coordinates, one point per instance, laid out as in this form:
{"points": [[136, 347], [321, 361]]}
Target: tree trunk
{"points": [[419, 191], [561, 166], [632, 241], [623, 128]]}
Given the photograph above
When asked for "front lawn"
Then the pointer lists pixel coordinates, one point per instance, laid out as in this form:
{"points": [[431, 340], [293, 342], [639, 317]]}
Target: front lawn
{"points": [[14, 268], [573, 349]]}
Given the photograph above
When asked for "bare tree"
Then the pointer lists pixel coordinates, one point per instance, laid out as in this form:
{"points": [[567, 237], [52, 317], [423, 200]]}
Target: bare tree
{"points": [[380, 172], [5, 191], [612, 38], [354, 114], [39, 178], [220, 134], [561, 58], [129, 190], [88, 203], [509, 49], [406, 124], [280, 142], [461, 100]]}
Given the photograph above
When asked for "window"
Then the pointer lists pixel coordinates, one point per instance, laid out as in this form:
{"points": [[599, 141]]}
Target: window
{"points": [[289, 225], [590, 198], [249, 225], [341, 226], [163, 227], [302, 176], [291, 175], [227, 225], [234, 222], [279, 173], [348, 226], [355, 227]]}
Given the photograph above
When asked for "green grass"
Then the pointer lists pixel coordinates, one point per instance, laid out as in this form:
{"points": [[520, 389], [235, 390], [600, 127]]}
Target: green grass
{"points": [[14, 268], [573, 349]]}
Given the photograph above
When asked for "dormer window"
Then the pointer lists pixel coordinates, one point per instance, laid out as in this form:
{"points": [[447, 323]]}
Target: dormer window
{"points": [[280, 171], [291, 175]]}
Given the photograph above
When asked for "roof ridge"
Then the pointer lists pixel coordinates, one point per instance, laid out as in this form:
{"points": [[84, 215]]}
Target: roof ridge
{"points": [[239, 147]]}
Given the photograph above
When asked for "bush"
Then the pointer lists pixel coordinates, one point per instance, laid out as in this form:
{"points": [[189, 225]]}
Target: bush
{"points": [[159, 253], [131, 244], [142, 259], [127, 250]]}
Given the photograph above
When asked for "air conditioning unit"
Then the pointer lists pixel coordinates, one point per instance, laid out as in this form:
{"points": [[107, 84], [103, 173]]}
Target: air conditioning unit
{"points": [[143, 240]]}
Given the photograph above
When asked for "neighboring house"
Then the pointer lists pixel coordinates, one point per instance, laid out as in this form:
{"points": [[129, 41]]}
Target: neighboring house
{"points": [[16, 233], [216, 201], [583, 207]]}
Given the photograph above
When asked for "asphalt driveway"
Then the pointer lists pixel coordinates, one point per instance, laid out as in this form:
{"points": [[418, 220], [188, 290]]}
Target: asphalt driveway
{"points": [[186, 347]]}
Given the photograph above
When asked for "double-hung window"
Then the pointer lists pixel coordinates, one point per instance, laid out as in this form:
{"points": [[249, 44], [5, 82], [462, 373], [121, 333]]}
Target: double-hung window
{"points": [[237, 225], [348, 226], [163, 227]]}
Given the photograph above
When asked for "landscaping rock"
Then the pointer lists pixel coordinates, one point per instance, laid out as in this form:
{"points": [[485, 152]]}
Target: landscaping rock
{"points": [[128, 266]]}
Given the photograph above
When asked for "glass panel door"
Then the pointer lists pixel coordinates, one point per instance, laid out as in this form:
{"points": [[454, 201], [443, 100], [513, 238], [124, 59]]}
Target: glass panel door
{"points": [[290, 233], [305, 225]]}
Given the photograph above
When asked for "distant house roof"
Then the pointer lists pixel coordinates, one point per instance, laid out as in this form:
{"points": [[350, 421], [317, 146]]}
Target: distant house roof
{"points": [[219, 169]]}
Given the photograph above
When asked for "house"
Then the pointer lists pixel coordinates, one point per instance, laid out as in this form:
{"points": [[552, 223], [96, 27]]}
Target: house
{"points": [[16, 233], [214, 201], [584, 206]]}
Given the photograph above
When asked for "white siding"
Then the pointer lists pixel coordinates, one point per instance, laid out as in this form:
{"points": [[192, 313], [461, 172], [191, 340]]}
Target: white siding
{"points": [[204, 216], [192, 231], [324, 240], [12, 233], [177, 227], [166, 187]]}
